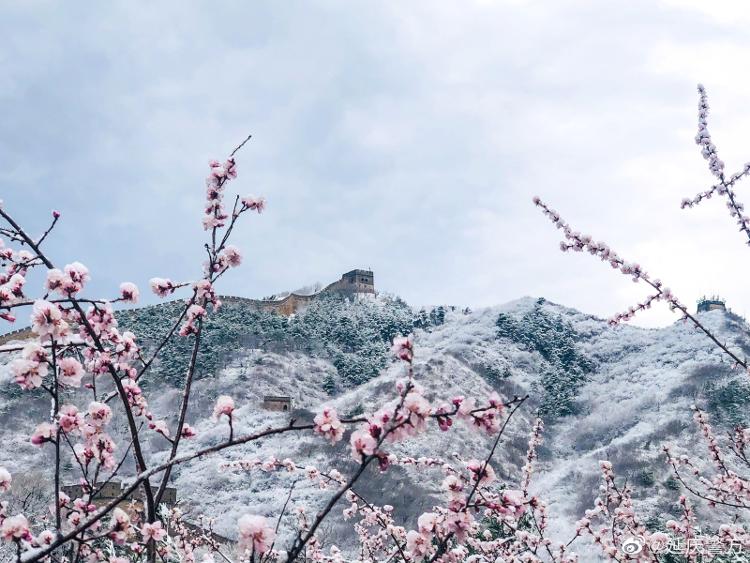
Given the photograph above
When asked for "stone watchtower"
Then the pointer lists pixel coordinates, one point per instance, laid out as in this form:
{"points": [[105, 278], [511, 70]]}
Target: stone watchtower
{"points": [[714, 303], [355, 281]]}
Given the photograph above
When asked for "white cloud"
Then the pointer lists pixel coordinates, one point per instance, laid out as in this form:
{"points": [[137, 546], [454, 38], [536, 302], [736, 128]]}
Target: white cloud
{"points": [[406, 137]]}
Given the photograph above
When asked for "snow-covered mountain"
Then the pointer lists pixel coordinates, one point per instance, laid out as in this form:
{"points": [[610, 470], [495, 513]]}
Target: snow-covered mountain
{"points": [[605, 393]]}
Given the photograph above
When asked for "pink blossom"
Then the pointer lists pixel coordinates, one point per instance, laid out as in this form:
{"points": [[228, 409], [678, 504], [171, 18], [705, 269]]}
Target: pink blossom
{"points": [[47, 321], [232, 256], [78, 274], [224, 405], [458, 523], [45, 432], [46, 537], [119, 526], [127, 348], [56, 280], [69, 418], [188, 431], [417, 545], [15, 528], [153, 532], [99, 413], [403, 348], [255, 534], [101, 447], [129, 292], [481, 471], [204, 291], [5, 480], [6, 296], [362, 443], [71, 372], [35, 352], [327, 424], [102, 320], [427, 522], [231, 168], [159, 426], [162, 287], [15, 285], [513, 503], [28, 373], [194, 313], [254, 204], [453, 485]]}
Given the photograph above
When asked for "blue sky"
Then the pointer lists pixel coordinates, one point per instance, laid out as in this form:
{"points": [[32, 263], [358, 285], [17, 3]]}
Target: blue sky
{"points": [[404, 136]]}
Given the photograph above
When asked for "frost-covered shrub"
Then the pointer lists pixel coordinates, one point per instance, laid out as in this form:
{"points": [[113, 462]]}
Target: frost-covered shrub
{"points": [[728, 401], [354, 335], [565, 367]]}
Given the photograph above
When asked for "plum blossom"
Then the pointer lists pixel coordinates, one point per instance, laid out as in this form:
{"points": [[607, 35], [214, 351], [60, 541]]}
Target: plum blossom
{"points": [[418, 545], [159, 426], [255, 534], [101, 447], [224, 406], [703, 137], [513, 503], [68, 282], [45, 537], [56, 281], [162, 287], [126, 348], [188, 431], [363, 444], [71, 372], [99, 414], [78, 274], [194, 313], [481, 471], [453, 485], [120, 526], [102, 320], [15, 285], [28, 373], [427, 522], [458, 523], [5, 480], [45, 432], [327, 424], [153, 531], [70, 418], [47, 321], [232, 256], [254, 204], [129, 292], [403, 348], [15, 528]]}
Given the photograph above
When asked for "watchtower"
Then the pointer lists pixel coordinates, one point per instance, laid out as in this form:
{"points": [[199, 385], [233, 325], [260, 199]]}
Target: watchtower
{"points": [[355, 281], [714, 303], [277, 403]]}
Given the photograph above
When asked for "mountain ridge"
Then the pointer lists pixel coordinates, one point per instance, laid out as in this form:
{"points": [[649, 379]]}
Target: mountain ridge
{"points": [[652, 375]]}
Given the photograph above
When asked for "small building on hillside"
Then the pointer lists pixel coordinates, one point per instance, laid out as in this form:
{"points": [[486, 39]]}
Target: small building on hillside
{"points": [[714, 303], [277, 403], [113, 489]]}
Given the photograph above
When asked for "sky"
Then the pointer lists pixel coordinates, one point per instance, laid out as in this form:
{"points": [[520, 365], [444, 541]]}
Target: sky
{"points": [[406, 137]]}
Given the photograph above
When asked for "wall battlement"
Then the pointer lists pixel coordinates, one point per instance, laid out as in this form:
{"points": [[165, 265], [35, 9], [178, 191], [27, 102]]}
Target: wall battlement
{"points": [[351, 283]]}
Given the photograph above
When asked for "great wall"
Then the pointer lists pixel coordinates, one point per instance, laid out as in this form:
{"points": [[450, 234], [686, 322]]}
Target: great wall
{"points": [[351, 283]]}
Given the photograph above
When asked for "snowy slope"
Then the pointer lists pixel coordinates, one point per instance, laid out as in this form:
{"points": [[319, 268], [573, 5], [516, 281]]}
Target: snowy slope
{"points": [[634, 396]]}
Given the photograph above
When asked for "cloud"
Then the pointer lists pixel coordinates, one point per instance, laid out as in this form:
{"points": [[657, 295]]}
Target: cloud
{"points": [[405, 137]]}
